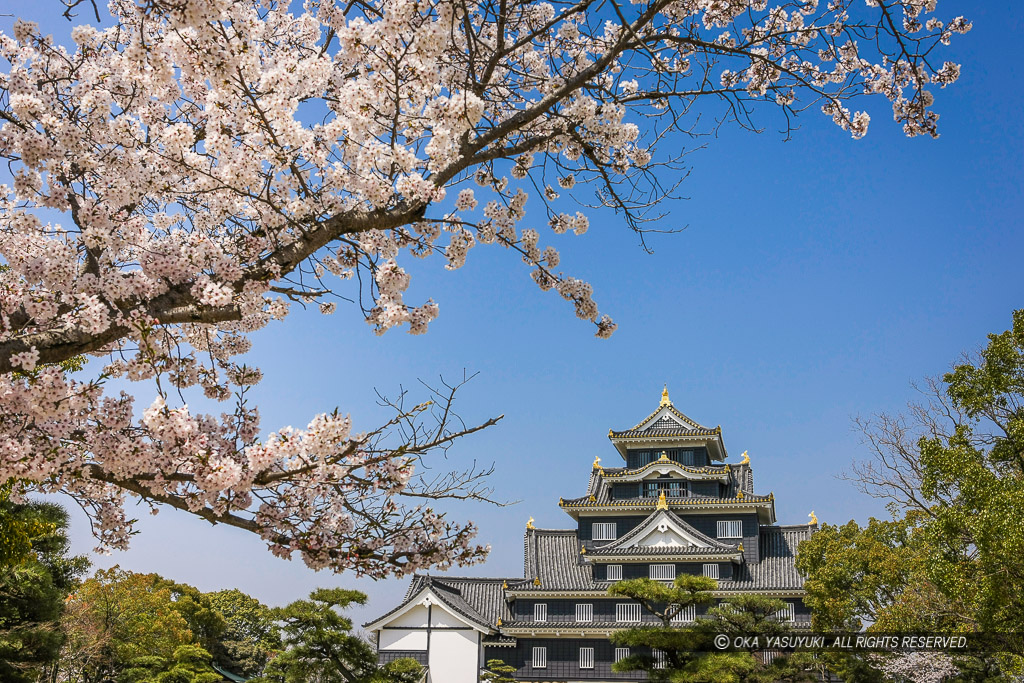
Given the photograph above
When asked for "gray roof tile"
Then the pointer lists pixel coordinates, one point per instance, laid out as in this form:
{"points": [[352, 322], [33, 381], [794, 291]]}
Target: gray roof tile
{"points": [[777, 568], [481, 600], [553, 555]]}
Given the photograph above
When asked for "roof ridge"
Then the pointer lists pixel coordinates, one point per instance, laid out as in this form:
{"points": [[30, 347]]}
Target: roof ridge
{"points": [[444, 577]]}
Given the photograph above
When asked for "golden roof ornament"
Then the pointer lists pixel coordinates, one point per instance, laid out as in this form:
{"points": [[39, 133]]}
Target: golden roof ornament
{"points": [[597, 463], [739, 494], [662, 502], [529, 524], [664, 456], [740, 547], [498, 622], [746, 459], [664, 397], [592, 499], [814, 518], [536, 581], [504, 585], [583, 550]]}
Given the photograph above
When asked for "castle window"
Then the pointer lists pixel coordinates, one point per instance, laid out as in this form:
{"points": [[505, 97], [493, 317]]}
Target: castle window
{"points": [[626, 612], [732, 529], [540, 611], [711, 571], [621, 653], [584, 612], [586, 658], [675, 489], [604, 531], [540, 658], [685, 616], [787, 613], [614, 572], [660, 659], [663, 572], [686, 458]]}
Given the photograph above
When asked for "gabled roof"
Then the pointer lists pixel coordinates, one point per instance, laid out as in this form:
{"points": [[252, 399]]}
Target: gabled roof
{"points": [[672, 521], [667, 424], [690, 541], [664, 465], [480, 601], [763, 505]]}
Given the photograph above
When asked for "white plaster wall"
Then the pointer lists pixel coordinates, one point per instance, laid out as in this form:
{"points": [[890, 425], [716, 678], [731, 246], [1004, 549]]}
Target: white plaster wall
{"points": [[453, 656], [416, 617], [392, 639], [440, 617]]}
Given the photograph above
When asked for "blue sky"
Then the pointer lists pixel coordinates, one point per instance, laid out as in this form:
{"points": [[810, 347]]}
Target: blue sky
{"points": [[816, 279]]}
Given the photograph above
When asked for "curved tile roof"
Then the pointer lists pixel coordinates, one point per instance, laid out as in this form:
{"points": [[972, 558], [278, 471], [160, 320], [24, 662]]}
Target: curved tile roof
{"points": [[707, 469], [641, 529], [777, 568], [553, 556], [668, 551], [585, 501], [481, 600]]}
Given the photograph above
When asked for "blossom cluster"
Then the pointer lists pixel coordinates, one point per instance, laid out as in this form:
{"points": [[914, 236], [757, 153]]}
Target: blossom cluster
{"points": [[170, 193]]}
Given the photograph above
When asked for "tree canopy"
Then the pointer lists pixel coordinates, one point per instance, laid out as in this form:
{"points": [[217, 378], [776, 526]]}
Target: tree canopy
{"points": [[34, 583], [190, 173], [952, 472], [670, 651], [320, 645]]}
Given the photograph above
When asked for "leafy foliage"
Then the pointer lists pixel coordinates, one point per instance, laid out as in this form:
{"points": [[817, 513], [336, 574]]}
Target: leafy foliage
{"points": [[952, 557], [188, 664], [251, 635], [184, 175], [746, 615], [752, 616], [663, 601], [119, 620], [34, 582], [321, 647], [497, 671]]}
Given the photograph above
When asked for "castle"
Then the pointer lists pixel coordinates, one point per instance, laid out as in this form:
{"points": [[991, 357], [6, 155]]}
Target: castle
{"points": [[676, 506]]}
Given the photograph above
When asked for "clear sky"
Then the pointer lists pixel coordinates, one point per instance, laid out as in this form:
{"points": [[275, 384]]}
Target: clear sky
{"points": [[815, 280]]}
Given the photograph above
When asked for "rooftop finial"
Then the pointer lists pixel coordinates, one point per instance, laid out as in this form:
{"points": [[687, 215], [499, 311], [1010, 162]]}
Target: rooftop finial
{"points": [[529, 524], [664, 397], [662, 502], [746, 459], [814, 518], [597, 463]]}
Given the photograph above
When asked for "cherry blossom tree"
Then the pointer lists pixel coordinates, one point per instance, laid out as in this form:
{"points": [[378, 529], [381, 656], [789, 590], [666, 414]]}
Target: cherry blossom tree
{"points": [[184, 176]]}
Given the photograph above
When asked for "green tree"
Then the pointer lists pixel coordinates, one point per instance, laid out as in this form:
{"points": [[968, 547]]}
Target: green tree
{"points": [[877, 575], [188, 664], [35, 578], [118, 617], [497, 671], [251, 635], [664, 601], [321, 646], [747, 615], [952, 472], [752, 616]]}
